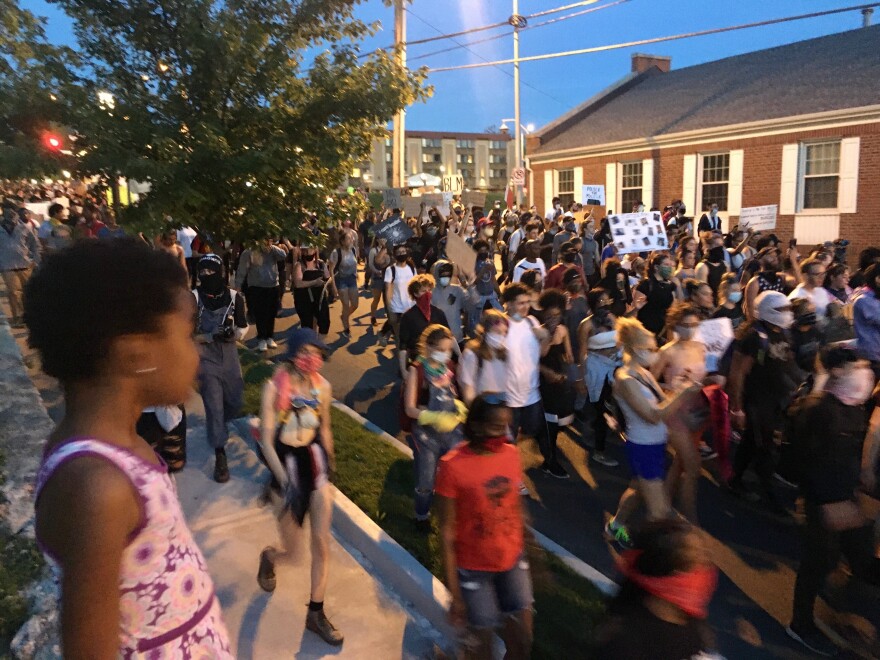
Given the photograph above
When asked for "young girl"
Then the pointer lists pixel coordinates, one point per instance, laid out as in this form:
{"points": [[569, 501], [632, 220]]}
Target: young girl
{"points": [[113, 322], [557, 391], [482, 530], [297, 442], [483, 366]]}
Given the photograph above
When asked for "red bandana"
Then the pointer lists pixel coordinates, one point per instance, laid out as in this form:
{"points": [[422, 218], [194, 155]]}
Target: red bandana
{"points": [[690, 591], [423, 302]]}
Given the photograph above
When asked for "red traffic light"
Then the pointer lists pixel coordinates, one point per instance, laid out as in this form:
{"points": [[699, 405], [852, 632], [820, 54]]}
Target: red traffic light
{"points": [[52, 141]]}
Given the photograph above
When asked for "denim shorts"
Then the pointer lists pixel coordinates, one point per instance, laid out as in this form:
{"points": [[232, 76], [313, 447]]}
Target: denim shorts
{"points": [[346, 282], [377, 283], [647, 461], [489, 596]]}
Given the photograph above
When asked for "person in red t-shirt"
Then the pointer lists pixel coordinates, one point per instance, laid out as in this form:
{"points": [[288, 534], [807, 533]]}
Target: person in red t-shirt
{"points": [[555, 275], [481, 527]]}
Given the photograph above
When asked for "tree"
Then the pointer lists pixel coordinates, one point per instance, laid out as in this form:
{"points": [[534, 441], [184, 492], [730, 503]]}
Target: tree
{"points": [[244, 115]]}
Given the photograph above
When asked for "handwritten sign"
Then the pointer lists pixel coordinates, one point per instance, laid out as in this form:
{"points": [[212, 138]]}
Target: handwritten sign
{"points": [[716, 335], [432, 199], [391, 198], [593, 195], [394, 230], [638, 232], [412, 206], [461, 254], [473, 197], [759, 218]]}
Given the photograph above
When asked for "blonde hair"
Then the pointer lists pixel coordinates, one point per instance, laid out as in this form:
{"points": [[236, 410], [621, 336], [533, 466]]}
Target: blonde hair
{"points": [[632, 335], [727, 280]]}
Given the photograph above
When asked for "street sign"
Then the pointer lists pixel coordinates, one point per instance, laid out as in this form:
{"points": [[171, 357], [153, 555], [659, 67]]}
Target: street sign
{"points": [[519, 176], [453, 183]]}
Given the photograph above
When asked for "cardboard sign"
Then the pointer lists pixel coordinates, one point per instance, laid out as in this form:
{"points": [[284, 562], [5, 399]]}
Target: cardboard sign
{"points": [[447, 199], [759, 218], [461, 254], [716, 335], [453, 183], [394, 230], [391, 198], [39, 210], [593, 195], [432, 199], [412, 206], [473, 197], [638, 232]]}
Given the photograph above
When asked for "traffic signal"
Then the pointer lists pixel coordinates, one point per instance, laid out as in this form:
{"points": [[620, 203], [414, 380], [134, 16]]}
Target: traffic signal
{"points": [[52, 142]]}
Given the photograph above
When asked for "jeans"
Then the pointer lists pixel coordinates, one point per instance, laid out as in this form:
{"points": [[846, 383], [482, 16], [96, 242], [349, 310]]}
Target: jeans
{"points": [[489, 595], [263, 302], [530, 420], [428, 447], [475, 311]]}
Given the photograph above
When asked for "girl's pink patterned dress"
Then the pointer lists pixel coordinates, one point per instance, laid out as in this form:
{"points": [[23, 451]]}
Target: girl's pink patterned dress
{"points": [[167, 604]]}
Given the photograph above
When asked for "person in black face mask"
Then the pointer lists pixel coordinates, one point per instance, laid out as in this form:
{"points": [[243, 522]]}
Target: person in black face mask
{"points": [[806, 340], [568, 256], [713, 266], [485, 285], [221, 321]]}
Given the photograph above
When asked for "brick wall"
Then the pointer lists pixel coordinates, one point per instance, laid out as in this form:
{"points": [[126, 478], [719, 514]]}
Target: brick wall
{"points": [[762, 165]]}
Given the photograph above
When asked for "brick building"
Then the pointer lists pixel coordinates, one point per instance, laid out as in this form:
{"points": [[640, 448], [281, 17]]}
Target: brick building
{"points": [[796, 125]]}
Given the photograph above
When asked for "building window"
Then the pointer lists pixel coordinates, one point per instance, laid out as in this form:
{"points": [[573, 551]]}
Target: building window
{"points": [[630, 185], [465, 174], [820, 174], [464, 144], [388, 156], [498, 159], [431, 143], [466, 158], [565, 187], [430, 158], [716, 175], [498, 174], [498, 145]]}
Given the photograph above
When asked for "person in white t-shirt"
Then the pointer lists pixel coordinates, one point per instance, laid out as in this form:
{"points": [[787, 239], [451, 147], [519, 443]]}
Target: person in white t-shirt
{"points": [[526, 342], [532, 261], [812, 287], [185, 237], [397, 277], [483, 366]]}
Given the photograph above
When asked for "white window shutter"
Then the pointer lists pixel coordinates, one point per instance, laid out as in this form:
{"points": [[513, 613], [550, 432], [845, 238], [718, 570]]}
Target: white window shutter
{"points": [[789, 179], [735, 183], [578, 183], [849, 175], [648, 182], [689, 185], [611, 187], [548, 190]]}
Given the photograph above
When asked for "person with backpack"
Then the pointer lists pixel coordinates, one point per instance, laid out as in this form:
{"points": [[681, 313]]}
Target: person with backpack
{"points": [[830, 429], [312, 290], [259, 267], [296, 439], [397, 299], [431, 402], [343, 265], [483, 365], [644, 410], [220, 322], [762, 378]]}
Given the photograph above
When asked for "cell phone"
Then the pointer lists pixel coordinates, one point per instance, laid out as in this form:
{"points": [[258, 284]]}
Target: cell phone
{"points": [[792, 243]]}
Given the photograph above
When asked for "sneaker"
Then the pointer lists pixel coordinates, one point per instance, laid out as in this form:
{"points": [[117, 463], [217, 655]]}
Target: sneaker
{"points": [[383, 340], [221, 469], [266, 572], [373, 320], [270, 343], [346, 332], [602, 459], [706, 452], [619, 534], [554, 470], [813, 639], [785, 482], [261, 346], [319, 624]]}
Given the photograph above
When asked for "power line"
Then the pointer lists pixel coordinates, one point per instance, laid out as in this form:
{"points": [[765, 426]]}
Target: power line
{"points": [[507, 34], [642, 42]]}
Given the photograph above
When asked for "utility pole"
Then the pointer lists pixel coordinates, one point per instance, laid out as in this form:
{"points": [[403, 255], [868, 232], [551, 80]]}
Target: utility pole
{"points": [[517, 22], [398, 138]]}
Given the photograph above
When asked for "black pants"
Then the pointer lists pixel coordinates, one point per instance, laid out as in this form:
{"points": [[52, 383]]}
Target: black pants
{"points": [[599, 424], [170, 445], [192, 266], [533, 423], [311, 309], [263, 302], [757, 446], [821, 552]]}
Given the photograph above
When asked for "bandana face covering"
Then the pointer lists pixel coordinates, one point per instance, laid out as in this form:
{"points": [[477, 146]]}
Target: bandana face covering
{"points": [[423, 302], [308, 364], [496, 444], [854, 388], [691, 591]]}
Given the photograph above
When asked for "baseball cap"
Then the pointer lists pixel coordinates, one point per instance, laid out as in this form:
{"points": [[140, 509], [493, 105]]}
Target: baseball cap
{"points": [[299, 337]]}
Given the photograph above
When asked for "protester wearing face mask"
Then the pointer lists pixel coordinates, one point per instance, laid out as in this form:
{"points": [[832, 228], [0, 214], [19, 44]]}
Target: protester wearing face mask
{"points": [[557, 391], [730, 300], [710, 220], [661, 608], [397, 278], [418, 317], [762, 379], [450, 299], [431, 401], [713, 266], [483, 366], [485, 289], [654, 295], [508, 229], [616, 282], [563, 237], [568, 261], [768, 278], [312, 288], [645, 409], [832, 425]]}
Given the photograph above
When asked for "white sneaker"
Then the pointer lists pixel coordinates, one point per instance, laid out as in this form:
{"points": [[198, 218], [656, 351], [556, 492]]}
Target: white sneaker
{"points": [[270, 343], [261, 346]]}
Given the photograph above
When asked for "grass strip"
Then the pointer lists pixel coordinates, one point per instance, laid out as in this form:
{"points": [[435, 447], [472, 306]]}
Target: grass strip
{"points": [[380, 481]]}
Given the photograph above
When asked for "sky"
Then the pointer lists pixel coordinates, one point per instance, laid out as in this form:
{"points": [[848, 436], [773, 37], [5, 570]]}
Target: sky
{"points": [[476, 99]]}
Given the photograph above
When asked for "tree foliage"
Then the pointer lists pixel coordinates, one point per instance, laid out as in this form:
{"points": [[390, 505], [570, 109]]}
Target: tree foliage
{"points": [[244, 115]]}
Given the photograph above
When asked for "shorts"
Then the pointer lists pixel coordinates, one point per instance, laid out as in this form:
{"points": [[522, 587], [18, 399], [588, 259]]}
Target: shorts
{"points": [[346, 282], [647, 461], [377, 283], [489, 596]]}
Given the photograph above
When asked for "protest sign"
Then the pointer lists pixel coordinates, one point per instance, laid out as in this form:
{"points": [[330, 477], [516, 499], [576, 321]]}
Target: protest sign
{"points": [[394, 230], [39, 210], [432, 199], [638, 232], [759, 218], [473, 197], [716, 335], [447, 200], [391, 198], [412, 206], [593, 195], [462, 254]]}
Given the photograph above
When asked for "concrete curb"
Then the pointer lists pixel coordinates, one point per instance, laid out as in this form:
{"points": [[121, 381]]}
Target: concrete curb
{"points": [[605, 584]]}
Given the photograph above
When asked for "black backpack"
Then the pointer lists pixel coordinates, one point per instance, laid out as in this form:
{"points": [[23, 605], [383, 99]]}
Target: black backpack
{"points": [[792, 449]]}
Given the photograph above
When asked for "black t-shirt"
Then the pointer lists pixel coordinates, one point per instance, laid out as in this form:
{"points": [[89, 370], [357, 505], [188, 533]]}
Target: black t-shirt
{"points": [[413, 324], [639, 635], [660, 296], [735, 314], [770, 382]]}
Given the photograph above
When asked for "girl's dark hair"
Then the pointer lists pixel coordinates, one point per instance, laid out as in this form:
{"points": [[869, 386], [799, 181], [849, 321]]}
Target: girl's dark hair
{"points": [[530, 278], [834, 270], [479, 413], [553, 298], [691, 286], [594, 295], [84, 297], [679, 310], [658, 258]]}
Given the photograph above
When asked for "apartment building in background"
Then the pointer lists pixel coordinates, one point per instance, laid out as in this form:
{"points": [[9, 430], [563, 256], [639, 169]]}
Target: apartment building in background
{"points": [[484, 160]]}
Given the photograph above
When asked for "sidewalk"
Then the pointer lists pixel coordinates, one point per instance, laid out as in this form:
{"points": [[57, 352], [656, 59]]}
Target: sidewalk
{"points": [[231, 527]]}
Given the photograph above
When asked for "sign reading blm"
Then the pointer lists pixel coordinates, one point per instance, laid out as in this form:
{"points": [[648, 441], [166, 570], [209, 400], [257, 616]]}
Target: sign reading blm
{"points": [[453, 183]]}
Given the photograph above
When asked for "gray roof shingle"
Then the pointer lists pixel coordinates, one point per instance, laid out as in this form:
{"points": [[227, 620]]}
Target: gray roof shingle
{"points": [[829, 73]]}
